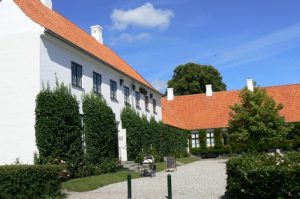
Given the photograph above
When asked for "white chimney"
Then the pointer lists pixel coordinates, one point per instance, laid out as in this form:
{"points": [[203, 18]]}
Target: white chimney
{"points": [[47, 3], [170, 94], [250, 85], [97, 33], [209, 91]]}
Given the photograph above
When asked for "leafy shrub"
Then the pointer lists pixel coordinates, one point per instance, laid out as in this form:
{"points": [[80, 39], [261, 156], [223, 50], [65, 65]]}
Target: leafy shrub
{"points": [[264, 176], [101, 133], [58, 128], [107, 166], [24, 181], [255, 123], [152, 137]]}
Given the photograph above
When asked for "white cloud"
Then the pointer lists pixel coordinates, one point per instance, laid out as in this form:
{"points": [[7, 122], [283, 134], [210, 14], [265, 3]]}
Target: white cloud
{"points": [[129, 38], [146, 16], [160, 85], [261, 48]]}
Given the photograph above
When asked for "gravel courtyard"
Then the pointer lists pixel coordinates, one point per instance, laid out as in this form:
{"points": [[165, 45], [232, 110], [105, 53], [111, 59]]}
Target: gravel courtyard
{"points": [[204, 179]]}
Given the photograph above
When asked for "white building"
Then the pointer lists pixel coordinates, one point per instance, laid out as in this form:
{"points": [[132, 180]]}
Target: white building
{"points": [[36, 46]]}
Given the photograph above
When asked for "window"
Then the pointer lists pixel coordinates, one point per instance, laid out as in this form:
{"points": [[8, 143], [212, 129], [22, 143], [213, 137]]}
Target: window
{"points": [[126, 95], [154, 105], [137, 99], [96, 83], [210, 140], [113, 90], [146, 103], [195, 140], [76, 75]]}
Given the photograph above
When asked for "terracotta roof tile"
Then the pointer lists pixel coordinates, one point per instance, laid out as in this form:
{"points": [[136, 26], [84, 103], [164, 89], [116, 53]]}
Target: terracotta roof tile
{"points": [[201, 112], [56, 23]]}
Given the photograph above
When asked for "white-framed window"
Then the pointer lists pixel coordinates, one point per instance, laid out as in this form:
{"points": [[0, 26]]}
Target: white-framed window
{"points": [[126, 96], [137, 100], [113, 90], [195, 139], [210, 140], [97, 83], [154, 105], [146, 103], [76, 74]]}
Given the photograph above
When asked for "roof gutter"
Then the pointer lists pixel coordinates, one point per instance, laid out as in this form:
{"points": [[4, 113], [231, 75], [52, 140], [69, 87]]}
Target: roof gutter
{"points": [[53, 34]]}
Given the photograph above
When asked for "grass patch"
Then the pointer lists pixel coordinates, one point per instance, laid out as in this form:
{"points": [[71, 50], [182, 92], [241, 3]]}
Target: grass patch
{"points": [[188, 160], [95, 182]]}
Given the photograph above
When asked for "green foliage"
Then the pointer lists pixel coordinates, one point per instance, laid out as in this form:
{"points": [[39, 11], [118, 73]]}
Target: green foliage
{"points": [[191, 78], [255, 123], [152, 137], [294, 136], [264, 176], [202, 137], [218, 138], [101, 133], [58, 128], [24, 181]]}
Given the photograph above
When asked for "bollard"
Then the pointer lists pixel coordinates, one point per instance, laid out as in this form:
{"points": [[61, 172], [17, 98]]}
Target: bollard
{"points": [[129, 186], [169, 187]]}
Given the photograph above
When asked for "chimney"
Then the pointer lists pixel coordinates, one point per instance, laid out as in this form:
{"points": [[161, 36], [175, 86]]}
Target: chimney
{"points": [[250, 85], [97, 33], [209, 91], [170, 94], [47, 3]]}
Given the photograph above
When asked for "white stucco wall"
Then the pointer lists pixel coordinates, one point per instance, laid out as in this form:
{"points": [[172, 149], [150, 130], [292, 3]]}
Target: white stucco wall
{"points": [[19, 83], [29, 58], [56, 59]]}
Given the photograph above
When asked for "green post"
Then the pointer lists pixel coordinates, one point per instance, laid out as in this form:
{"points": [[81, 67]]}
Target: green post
{"points": [[129, 186], [169, 187]]}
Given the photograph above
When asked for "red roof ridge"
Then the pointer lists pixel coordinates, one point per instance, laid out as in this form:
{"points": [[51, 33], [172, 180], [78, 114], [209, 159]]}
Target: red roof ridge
{"points": [[235, 90]]}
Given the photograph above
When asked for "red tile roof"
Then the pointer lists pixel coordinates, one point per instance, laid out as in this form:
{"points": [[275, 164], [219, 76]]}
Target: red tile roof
{"points": [[198, 111], [56, 23]]}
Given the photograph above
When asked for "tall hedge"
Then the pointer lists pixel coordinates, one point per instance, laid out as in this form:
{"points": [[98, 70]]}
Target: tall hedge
{"points": [[101, 133], [145, 136], [58, 127], [27, 181]]}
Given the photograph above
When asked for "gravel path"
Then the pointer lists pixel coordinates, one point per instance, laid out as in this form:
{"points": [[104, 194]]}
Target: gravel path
{"points": [[204, 179]]}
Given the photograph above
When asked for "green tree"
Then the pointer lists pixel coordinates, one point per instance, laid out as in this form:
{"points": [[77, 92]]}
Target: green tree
{"points": [[101, 133], [191, 78], [255, 122], [58, 128]]}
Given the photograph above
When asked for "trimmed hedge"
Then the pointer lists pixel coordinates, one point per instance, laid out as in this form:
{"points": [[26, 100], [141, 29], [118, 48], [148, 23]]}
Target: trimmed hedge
{"points": [[26, 181], [58, 128], [264, 176], [101, 133], [145, 136]]}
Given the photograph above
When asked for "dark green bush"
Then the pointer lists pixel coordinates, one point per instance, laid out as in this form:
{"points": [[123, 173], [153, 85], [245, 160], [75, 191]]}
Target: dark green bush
{"points": [[34, 182], [101, 133], [145, 136], [58, 128], [264, 176]]}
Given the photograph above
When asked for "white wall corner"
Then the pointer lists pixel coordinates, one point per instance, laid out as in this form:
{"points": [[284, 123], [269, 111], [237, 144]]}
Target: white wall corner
{"points": [[250, 85], [170, 94], [97, 33], [209, 91], [47, 3]]}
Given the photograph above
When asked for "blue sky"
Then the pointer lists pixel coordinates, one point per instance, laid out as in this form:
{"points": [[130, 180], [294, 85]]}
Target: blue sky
{"points": [[257, 39]]}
